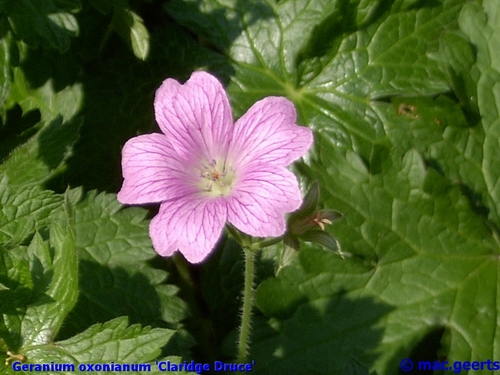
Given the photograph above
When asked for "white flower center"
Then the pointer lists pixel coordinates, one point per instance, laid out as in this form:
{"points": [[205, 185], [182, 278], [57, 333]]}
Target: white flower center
{"points": [[217, 178]]}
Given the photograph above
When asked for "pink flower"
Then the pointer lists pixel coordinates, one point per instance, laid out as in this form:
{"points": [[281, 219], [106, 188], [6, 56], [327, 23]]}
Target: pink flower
{"points": [[205, 170]]}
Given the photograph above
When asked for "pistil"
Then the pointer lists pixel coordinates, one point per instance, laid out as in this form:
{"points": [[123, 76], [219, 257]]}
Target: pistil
{"points": [[217, 178]]}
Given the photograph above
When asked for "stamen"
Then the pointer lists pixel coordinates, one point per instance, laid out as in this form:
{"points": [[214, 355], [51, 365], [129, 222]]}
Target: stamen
{"points": [[215, 180], [320, 223]]}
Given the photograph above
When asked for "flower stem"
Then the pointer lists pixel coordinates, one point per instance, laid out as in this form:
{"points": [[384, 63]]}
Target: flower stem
{"points": [[248, 296], [265, 243]]}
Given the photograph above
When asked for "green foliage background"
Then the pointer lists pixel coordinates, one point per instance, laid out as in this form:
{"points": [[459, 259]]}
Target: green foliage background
{"points": [[403, 97]]}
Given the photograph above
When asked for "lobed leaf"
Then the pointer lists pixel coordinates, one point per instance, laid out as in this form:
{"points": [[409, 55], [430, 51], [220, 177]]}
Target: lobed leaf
{"points": [[406, 139]]}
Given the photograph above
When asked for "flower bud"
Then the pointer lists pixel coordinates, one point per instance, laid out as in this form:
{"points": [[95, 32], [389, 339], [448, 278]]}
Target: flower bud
{"points": [[315, 221], [309, 224]]}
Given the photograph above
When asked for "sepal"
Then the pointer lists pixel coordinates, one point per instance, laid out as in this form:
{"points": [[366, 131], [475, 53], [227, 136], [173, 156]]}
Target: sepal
{"points": [[309, 223]]}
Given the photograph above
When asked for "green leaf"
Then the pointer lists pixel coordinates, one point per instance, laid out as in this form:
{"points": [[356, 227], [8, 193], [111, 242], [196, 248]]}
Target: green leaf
{"points": [[43, 156], [50, 102], [116, 341], [5, 73], [114, 249], [113, 343], [335, 85], [312, 313], [423, 253], [16, 288], [406, 143], [101, 224], [23, 211], [481, 26], [59, 286], [42, 285], [44, 22], [130, 26]]}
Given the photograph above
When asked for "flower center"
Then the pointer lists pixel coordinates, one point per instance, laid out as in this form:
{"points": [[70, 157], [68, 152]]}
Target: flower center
{"points": [[217, 178]]}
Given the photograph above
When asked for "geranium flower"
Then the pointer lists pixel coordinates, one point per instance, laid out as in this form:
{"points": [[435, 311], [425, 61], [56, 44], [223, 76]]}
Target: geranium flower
{"points": [[206, 170]]}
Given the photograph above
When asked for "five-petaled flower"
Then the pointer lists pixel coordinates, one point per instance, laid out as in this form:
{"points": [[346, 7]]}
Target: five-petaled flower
{"points": [[206, 170]]}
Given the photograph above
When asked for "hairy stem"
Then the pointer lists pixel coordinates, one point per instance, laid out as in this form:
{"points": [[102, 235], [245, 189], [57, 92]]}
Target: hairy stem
{"points": [[248, 296], [265, 243]]}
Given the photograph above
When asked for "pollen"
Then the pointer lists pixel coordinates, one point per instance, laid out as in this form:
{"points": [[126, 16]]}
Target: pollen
{"points": [[217, 178]]}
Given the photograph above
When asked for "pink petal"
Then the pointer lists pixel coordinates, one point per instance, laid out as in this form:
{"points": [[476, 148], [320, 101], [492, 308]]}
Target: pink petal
{"points": [[268, 133], [190, 224], [152, 171], [261, 199], [196, 116]]}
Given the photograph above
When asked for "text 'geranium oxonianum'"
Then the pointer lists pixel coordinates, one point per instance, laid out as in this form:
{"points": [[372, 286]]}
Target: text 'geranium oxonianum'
{"points": [[206, 170]]}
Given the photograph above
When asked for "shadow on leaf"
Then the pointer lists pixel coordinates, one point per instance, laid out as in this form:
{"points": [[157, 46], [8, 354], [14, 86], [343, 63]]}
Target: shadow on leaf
{"points": [[320, 336], [108, 293]]}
